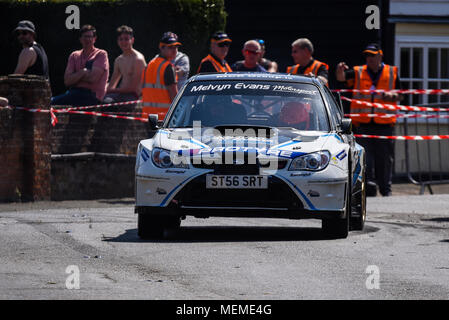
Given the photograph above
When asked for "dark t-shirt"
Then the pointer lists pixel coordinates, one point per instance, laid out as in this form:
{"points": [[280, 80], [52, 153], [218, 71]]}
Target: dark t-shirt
{"points": [[322, 70], [350, 74], [240, 66], [40, 66], [169, 75], [265, 63]]}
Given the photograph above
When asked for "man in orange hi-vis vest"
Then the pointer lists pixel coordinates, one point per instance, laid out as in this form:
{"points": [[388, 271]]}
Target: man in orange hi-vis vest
{"points": [[215, 60], [302, 50], [374, 75], [159, 78]]}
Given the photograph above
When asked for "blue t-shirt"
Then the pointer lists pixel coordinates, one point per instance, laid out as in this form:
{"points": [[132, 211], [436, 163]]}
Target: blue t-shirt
{"points": [[240, 66]]}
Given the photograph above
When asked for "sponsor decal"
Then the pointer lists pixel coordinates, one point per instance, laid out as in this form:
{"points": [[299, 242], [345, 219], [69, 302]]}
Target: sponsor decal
{"points": [[341, 155], [145, 155], [287, 154], [251, 86], [175, 171], [300, 174]]}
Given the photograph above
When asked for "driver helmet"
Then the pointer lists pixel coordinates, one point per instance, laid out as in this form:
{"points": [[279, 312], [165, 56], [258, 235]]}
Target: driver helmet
{"points": [[295, 113], [217, 105]]}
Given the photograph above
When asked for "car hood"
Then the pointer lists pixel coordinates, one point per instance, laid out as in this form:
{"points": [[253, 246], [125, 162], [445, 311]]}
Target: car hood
{"points": [[282, 142]]}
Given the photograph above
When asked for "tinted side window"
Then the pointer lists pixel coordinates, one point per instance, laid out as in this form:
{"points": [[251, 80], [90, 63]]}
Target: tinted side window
{"points": [[336, 112]]}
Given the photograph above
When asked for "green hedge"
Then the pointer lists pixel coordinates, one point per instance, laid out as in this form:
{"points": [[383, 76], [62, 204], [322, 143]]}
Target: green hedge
{"points": [[193, 20]]}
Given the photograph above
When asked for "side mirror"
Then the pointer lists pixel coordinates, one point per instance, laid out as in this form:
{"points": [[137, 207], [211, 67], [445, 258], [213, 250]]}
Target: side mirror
{"points": [[152, 120], [346, 126]]}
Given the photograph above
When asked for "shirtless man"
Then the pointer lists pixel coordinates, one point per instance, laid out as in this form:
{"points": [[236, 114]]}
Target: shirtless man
{"points": [[128, 68]]}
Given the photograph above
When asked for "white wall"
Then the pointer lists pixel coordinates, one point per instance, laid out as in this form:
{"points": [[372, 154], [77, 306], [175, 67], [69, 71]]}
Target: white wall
{"points": [[438, 8]]}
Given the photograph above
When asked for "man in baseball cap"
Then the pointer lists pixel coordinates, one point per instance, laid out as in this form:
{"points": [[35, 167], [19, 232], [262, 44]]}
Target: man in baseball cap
{"points": [[159, 83], [32, 58], [374, 75], [219, 48]]}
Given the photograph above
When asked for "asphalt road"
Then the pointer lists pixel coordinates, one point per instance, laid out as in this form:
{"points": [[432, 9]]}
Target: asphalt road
{"points": [[404, 249]]}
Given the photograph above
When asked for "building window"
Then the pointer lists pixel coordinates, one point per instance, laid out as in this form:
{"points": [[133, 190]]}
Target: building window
{"points": [[423, 64]]}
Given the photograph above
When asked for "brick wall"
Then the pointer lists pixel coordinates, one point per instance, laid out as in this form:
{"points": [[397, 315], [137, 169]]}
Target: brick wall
{"points": [[77, 133], [94, 157], [89, 175], [82, 157], [11, 141], [25, 140]]}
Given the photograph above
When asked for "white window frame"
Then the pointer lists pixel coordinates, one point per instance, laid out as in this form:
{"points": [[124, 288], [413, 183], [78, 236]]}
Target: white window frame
{"points": [[424, 42]]}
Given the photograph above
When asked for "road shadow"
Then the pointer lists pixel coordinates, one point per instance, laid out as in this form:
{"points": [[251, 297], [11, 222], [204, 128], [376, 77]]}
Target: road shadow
{"points": [[233, 234], [442, 219]]}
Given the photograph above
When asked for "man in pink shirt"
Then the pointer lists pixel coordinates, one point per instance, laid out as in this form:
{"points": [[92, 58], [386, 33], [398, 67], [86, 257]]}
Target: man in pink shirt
{"points": [[86, 73]]}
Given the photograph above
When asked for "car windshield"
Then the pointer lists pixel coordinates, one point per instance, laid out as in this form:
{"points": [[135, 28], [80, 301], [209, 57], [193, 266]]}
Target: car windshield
{"points": [[253, 103]]}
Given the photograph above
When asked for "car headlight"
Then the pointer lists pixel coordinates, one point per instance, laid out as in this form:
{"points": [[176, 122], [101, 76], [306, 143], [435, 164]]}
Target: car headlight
{"points": [[162, 159], [312, 162]]}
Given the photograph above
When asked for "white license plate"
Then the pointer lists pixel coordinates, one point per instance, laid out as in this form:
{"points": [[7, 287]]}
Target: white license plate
{"points": [[236, 182]]}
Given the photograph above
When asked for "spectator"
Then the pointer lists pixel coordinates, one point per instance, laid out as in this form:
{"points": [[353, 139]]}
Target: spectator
{"points": [[128, 68], [302, 50], [252, 53], [3, 102], [379, 152], [269, 65], [32, 58], [182, 68], [159, 78], [219, 48], [86, 73]]}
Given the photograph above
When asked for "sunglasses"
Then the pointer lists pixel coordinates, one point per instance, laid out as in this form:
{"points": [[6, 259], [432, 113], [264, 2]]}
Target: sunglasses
{"points": [[252, 52], [22, 33], [224, 44]]}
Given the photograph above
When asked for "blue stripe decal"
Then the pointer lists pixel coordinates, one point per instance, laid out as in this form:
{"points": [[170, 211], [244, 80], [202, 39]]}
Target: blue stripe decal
{"points": [[144, 154], [336, 136], [179, 185], [341, 155], [198, 143], [311, 206]]}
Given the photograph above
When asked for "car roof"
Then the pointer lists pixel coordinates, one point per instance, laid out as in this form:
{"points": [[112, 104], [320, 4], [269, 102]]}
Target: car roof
{"points": [[254, 76]]}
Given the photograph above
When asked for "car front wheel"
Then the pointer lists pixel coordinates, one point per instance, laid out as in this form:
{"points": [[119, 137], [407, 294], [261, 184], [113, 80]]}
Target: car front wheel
{"points": [[339, 228], [150, 226]]}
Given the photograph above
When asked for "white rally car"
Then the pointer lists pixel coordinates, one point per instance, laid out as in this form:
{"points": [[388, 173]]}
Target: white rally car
{"points": [[251, 145]]}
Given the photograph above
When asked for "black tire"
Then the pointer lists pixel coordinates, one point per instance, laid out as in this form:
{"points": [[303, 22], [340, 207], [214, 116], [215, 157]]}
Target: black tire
{"points": [[339, 228], [358, 222], [152, 226]]}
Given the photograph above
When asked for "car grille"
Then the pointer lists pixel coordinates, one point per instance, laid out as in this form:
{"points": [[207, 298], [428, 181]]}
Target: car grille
{"points": [[277, 195], [239, 168]]}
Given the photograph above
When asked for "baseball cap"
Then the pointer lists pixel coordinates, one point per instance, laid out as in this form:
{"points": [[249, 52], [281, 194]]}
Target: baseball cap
{"points": [[220, 36], [26, 26], [373, 48], [169, 39]]}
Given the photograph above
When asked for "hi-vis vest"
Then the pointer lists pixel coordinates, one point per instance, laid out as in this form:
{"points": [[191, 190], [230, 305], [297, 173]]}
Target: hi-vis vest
{"points": [[155, 96], [312, 68], [217, 65], [362, 81]]}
